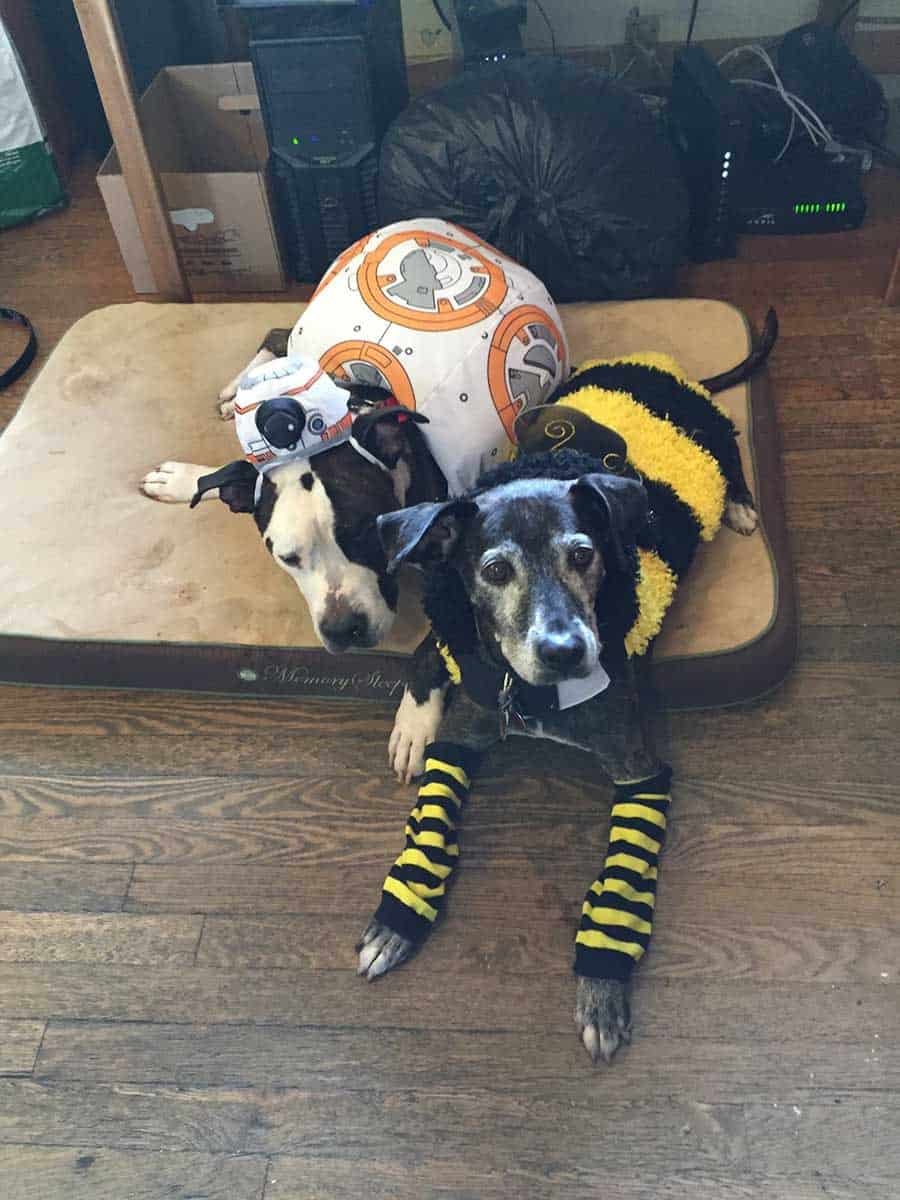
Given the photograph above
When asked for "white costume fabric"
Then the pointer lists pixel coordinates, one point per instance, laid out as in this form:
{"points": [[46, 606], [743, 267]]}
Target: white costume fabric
{"points": [[327, 418], [450, 326]]}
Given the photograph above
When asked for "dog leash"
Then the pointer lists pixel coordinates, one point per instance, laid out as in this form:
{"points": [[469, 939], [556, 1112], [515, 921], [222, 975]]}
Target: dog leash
{"points": [[26, 358]]}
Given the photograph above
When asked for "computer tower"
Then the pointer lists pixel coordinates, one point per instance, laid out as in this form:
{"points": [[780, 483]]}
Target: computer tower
{"points": [[331, 74], [711, 127], [322, 209]]}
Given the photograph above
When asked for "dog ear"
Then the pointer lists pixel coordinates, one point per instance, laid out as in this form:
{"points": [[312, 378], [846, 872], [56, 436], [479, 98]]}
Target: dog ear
{"points": [[619, 502], [236, 483], [380, 432], [424, 533]]}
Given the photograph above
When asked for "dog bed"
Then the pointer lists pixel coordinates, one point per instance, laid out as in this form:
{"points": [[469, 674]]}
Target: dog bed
{"points": [[101, 586]]}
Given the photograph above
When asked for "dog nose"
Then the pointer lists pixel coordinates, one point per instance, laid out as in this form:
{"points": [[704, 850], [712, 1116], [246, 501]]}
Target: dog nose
{"points": [[561, 651], [345, 629]]}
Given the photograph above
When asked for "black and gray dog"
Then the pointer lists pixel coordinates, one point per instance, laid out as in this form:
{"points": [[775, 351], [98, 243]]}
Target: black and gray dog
{"points": [[530, 587]]}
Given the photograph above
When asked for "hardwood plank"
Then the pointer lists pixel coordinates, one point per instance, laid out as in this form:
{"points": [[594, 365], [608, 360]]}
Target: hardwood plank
{"points": [[517, 800], [732, 1009], [19, 1043], [751, 755], [372, 1124], [782, 942], [353, 842], [192, 797], [855, 1141], [243, 889], [857, 646], [106, 938], [842, 489], [89, 1173], [816, 746], [704, 1069], [105, 713], [845, 578], [59, 887], [491, 1177]]}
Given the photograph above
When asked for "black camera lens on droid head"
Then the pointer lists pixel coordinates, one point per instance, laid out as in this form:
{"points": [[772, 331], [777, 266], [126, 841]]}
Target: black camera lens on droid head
{"points": [[281, 421]]}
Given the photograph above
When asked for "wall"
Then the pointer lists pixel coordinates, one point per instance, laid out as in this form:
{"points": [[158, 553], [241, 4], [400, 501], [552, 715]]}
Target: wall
{"points": [[584, 23]]}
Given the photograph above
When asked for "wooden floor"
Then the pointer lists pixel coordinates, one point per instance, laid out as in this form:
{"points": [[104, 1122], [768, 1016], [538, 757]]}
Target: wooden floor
{"points": [[182, 880]]}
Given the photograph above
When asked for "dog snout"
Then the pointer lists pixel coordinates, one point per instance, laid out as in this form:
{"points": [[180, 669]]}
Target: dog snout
{"points": [[344, 627], [561, 652]]}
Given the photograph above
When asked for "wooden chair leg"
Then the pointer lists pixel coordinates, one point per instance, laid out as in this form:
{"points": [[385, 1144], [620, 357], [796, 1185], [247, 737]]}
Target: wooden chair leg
{"points": [[103, 39], [892, 295]]}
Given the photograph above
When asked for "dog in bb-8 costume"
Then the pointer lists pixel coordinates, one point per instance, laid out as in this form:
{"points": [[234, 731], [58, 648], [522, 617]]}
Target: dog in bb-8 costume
{"points": [[452, 330]]}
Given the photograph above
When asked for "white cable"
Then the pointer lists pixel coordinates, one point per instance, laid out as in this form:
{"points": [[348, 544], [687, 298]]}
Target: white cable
{"points": [[800, 111], [796, 114], [789, 98]]}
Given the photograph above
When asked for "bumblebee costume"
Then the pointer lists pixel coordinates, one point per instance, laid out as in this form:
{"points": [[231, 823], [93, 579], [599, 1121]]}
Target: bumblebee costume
{"points": [[640, 415]]}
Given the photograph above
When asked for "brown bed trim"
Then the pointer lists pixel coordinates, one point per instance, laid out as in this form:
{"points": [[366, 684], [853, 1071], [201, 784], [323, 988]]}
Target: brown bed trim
{"points": [[751, 670], [704, 681]]}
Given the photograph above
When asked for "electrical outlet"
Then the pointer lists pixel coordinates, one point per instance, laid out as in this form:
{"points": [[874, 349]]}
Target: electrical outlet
{"points": [[641, 30]]}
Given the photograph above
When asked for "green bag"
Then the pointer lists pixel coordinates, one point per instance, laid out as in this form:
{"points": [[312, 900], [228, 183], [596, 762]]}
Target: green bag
{"points": [[29, 184]]}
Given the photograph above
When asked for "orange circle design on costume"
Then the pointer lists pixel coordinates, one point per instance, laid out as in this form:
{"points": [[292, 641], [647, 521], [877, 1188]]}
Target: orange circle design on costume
{"points": [[339, 263], [373, 285], [514, 328], [336, 359]]}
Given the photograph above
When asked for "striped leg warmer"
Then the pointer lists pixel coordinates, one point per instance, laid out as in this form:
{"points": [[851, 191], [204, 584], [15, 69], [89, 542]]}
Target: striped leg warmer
{"points": [[617, 914], [414, 890]]}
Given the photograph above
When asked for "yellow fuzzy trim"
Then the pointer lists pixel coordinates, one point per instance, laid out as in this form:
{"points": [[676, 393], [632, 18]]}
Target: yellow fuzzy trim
{"points": [[451, 664], [660, 451], [662, 362], [655, 588]]}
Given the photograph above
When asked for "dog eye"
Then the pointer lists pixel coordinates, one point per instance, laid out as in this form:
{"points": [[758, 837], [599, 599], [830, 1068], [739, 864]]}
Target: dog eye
{"points": [[497, 572], [581, 557]]}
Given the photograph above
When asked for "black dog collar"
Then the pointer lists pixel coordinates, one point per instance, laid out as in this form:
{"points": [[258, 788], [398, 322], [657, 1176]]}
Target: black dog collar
{"points": [[26, 358], [518, 703]]}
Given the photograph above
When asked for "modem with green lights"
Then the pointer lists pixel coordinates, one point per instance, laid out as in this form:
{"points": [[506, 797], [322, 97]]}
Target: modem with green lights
{"points": [[808, 191]]}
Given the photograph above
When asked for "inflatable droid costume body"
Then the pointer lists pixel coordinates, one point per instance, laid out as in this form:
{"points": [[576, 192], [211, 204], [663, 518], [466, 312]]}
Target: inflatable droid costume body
{"points": [[453, 330]]}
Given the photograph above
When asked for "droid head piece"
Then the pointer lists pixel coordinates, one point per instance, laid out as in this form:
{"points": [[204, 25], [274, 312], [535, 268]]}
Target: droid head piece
{"points": [[289, 408]]}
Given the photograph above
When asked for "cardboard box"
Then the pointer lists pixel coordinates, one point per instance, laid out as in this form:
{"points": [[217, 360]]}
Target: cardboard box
{"points": [[211, 155]]}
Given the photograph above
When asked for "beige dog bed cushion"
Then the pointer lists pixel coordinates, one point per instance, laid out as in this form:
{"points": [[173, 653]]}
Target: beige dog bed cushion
{"points": [[104, 587]]}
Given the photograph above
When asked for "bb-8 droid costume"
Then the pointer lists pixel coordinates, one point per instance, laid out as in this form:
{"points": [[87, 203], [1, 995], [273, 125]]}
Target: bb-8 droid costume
{"points": [[453, 329]]}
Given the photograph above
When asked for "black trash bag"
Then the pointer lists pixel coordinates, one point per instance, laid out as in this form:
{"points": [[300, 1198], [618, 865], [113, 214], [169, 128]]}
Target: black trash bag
{"points": [[555, 164]]}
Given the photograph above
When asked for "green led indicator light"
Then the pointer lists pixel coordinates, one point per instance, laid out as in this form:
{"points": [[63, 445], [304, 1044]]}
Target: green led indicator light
{"points": [[295, 141], [832, 206]]}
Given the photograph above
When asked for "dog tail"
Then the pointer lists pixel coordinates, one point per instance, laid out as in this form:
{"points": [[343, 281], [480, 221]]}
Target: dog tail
{"points": [[762, 348]]}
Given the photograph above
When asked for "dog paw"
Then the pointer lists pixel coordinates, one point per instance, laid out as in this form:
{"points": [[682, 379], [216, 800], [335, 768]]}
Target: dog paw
{"points": [[230, 390], [603, 1016], [380, 950], [173, 482], [741, 517], [415, 725]]}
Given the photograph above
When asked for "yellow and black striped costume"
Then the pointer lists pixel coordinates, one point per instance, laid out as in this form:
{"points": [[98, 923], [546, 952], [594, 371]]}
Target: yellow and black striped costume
{"points": [[678, 438], [617, 914], [414, 890]]}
